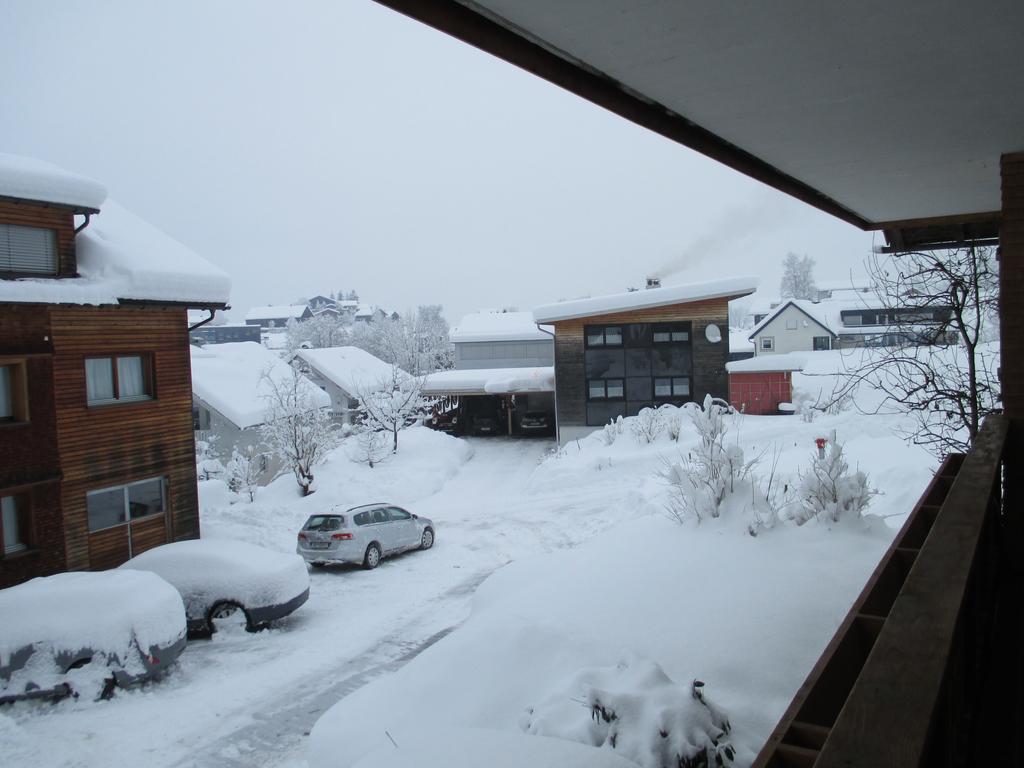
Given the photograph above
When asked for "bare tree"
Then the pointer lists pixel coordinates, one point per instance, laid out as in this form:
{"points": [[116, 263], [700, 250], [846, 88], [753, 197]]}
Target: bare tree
{"points": [[797, 277], [244, 470], [392, 404], [296, 428], [934, 359], [417, 342], [368, 446]]}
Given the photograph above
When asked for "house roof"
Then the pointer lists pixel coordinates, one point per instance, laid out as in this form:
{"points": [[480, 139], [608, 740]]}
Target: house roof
{"points": [[646, 299], [819, 101], [25, 178], [277, 312], [230, 379], [491, 381], [828, 314], [349, 368], [498, 326], [813, 310], [122, 258]]}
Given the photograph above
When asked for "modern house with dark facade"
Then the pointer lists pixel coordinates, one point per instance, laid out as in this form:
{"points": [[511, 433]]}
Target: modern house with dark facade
{"points": [[615, 355], [97, 459]]}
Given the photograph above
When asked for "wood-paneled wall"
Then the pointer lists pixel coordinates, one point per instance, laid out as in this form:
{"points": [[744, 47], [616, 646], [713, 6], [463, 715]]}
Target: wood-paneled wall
{"points": [[49, 217], [709, 375], [109, 445]]}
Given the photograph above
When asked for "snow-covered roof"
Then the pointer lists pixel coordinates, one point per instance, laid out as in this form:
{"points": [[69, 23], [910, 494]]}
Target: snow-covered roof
{"points": [[791, 361], [828, 314], [491, 381], [498, 326], [121, 257], [26, 178], [229, 379], [349, 368], [655, 297], [278, 312], [845, 284]]}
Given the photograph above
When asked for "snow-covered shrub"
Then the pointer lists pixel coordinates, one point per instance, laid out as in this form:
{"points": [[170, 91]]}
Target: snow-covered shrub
{"points": [[647, 425], [635, 709], [767, 499], [368, 447], [673, 418], [243, 472], [828, 489], [804, 404], [611, 431], [208, 465], [700, 480]]}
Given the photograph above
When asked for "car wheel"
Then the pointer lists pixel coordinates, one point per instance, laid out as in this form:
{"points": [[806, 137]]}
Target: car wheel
{"points": [[227, 615], [372, 557], [427, 540]]}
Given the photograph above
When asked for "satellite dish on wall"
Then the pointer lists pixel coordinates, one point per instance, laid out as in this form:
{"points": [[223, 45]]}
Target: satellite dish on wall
{"points": [[713, 333]]}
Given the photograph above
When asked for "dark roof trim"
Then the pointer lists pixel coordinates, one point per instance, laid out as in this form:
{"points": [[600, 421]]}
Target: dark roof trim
{"points": [[778, 310], [81, 209], [174, 304], [941, 233], [500, 39]]}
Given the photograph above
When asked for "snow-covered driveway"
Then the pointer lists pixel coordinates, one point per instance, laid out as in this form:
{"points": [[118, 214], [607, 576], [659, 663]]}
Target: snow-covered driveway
{"points": [[248, 700]]}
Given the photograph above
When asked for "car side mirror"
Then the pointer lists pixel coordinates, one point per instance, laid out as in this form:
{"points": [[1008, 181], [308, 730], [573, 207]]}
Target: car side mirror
{"points": [[415, 517]]}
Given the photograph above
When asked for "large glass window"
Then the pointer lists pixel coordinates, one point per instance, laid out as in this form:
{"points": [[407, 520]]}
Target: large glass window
{"points": [[118, 379], [6, 394], [14, 524], [604, 335], [28, 250], [606, 389], [114, 506], [604, 363], [822, 343]]}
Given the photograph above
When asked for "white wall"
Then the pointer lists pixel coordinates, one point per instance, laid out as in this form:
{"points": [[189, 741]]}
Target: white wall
{"points": [[798, 339]]}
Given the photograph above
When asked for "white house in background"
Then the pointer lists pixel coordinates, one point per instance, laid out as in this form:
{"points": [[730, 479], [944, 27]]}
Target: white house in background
{"points": [[497, 340], [796, 325], [277, 316], [342, 372], [230, 395]]}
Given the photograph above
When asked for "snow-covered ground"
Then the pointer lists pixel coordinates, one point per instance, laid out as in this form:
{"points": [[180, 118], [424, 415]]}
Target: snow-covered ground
{"points": [[585, 570]]}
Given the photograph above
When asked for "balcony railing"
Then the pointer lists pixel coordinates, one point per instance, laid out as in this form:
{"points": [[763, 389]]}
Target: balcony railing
{"points": [[915, 674]]}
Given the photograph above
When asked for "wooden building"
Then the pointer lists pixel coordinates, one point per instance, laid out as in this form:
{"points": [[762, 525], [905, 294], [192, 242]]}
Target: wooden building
{"points": [[615, 355], [97, 458]]}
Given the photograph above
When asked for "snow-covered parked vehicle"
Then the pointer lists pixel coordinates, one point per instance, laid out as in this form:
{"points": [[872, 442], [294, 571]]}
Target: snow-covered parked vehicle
{"points": [[84, 633], [363, 535], [228, 580]]}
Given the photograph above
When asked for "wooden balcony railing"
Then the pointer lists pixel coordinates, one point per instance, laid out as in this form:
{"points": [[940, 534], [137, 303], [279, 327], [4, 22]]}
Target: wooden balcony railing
{"points": [[911, 676]]}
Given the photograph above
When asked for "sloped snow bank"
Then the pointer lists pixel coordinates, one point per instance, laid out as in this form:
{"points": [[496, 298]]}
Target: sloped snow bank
{"points": [[637, 710], [426, 459], [475, 747]]}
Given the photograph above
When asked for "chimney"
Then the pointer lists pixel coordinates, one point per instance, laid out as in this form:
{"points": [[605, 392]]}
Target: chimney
{"points": [[653, 282]]}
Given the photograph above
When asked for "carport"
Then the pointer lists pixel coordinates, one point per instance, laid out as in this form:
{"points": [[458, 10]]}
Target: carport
{"points": [[504, 392]]}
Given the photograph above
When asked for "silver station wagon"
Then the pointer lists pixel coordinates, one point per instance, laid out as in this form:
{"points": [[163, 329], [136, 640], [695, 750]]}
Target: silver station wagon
{"points": [[364, 534]]}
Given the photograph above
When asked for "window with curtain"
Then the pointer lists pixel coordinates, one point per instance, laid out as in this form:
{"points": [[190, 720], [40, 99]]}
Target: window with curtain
{"points": [[115, 506], [118, 379]]}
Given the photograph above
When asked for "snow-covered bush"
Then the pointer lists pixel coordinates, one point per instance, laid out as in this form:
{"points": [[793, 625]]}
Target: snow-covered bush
{"points": [[673, 418], [368, 446], [647, 425], [804, 403], [611, 431], [243, 472], [700, 480], [636, 710], [208, 465], [828, 489]]}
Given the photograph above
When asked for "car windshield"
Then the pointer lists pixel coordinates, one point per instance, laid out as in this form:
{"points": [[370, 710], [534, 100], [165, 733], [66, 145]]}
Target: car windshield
{"points": [[534, 414], [325, 523]]}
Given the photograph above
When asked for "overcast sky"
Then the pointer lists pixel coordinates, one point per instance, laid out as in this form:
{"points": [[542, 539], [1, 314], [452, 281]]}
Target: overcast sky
{"points": [[320, 145]]}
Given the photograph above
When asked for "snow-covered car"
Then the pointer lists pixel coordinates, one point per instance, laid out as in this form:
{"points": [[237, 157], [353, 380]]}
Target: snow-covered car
{"points": [[222, 579], [83, 633], [486, 424], [363, 535]]}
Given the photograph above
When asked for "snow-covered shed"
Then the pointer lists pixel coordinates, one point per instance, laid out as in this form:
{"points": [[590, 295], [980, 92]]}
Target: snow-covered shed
{"points": [[617, 354], [344, 372], [93, 303], [760, 385], [232, 387]]}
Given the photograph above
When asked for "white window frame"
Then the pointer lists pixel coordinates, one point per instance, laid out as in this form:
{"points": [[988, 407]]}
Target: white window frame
{"points": [[791, 324], [767, 343]]}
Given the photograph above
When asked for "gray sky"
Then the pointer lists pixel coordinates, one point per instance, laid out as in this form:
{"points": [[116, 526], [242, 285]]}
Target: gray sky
{"points": [[321, 145]]}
